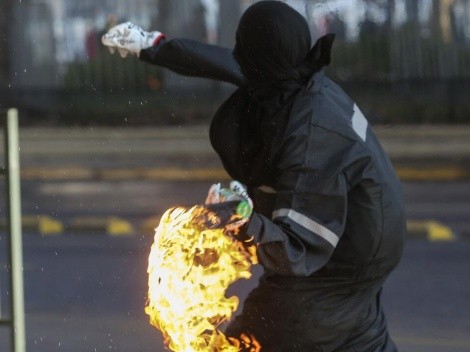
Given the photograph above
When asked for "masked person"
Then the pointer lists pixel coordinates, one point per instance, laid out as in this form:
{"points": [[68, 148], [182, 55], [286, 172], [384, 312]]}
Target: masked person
{"points": [[328, 214]]}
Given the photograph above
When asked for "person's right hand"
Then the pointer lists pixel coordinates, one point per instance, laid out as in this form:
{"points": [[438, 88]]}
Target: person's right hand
{"points": [[237, 191], [233, 205], [129, 38]]}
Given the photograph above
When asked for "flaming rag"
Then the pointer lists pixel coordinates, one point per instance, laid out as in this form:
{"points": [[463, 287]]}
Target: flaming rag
{"points": [[328, 211]]}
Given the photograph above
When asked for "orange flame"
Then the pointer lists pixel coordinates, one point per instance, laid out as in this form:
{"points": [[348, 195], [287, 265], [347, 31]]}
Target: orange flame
{"points": [[190, 268]]}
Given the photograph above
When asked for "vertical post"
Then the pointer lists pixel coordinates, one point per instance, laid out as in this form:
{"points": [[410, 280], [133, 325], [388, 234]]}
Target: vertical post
{"points": [[15, 252]]}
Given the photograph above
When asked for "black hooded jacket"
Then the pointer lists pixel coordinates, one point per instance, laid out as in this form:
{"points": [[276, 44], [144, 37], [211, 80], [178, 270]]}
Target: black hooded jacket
{"points": [[329, 216]]}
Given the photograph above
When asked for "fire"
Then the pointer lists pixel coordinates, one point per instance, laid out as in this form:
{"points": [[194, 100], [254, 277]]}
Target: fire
{"points": [[191, 264]]}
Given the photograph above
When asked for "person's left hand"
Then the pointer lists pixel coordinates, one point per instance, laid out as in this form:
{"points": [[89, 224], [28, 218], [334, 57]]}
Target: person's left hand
{"points": [[128, 38]]}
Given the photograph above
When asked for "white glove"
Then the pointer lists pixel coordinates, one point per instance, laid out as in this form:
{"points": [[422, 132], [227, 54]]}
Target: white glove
{"points": [[129, 38]]}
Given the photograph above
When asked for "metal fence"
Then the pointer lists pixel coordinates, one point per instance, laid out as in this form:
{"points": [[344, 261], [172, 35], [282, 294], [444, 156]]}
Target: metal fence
{"points": [[54, 49]]}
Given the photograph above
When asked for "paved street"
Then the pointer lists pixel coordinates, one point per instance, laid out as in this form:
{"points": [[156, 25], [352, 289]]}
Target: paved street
{"points": [[88, 293], [427, 298], [446, 202], [85, 291]]}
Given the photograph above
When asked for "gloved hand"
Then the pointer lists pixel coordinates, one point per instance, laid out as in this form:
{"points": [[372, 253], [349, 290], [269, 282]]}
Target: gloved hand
{"points": [[237, 191], [232, 205], [128, 38]]}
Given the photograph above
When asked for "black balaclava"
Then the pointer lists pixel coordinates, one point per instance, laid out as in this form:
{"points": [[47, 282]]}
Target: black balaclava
{"points": [[273, 50], [273, 47]]}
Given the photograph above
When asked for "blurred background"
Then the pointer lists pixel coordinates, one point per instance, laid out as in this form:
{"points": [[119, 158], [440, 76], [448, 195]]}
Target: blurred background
{"points": [[55, 69]]}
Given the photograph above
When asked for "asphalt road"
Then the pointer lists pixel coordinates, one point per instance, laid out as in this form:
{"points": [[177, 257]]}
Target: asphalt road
{"points": [[88, 293], [446, 202]]}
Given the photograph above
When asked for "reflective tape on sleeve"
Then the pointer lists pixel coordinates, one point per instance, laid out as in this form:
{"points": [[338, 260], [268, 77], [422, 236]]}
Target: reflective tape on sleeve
{"points": [[308, 224]]}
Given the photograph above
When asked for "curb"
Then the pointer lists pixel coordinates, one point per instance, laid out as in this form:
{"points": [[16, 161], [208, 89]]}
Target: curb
{"points": [[112, 226], [121, 174], [429, 230], [443, 173], [47, 226]]}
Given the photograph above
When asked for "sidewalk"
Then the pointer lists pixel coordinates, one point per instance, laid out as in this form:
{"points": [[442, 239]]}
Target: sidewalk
{"points": [[185, 153]]}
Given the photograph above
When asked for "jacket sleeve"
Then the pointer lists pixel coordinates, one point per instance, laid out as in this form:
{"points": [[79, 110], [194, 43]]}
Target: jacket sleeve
{"points": [[309, 217], [191, 58]]}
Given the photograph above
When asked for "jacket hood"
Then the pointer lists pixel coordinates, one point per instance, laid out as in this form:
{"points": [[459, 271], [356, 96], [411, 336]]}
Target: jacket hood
{"points": [[273, 46]]}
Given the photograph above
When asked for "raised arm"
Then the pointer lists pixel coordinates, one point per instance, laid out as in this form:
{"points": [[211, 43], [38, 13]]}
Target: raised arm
{"points": [[191, 58], [183, 56]]}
